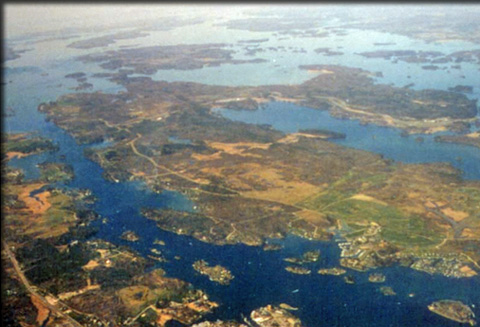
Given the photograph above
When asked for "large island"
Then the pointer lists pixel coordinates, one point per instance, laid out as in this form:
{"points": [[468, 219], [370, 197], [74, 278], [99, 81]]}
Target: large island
{"points": [[251, 182]]}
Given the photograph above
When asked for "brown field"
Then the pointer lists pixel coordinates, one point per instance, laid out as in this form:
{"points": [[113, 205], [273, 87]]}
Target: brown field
{"points": [[92, 264], [277, 188], [294, 137], [469, 271], [45, 215], [14, 154], [320, 71], [43, 312], [207, 157], [135, 297], [163, 318], [455, 215], [67, 295], [38, 204], [311, 216], [367, 198], [239, 148]]}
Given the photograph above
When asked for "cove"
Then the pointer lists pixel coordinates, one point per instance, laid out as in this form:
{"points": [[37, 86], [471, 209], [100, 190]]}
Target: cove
{"points": [[389, 142]]}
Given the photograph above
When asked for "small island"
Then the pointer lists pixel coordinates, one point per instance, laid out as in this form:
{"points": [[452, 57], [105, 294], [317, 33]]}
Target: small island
{"points": [[159, 242], [130, 236], [216, 274], [376, 278], [453, 310], [298, 270], [158, 255], [22, 145], [272, 247], [387, 291], [461, 88], [349, 279], [323, 133], [55, 172], [328, 52], [472, 139], [273, 316], [307, 257], [332, 271], [148, 60]]}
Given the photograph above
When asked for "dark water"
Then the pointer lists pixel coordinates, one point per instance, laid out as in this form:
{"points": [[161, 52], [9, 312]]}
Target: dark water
{"points": [[260, 277]]}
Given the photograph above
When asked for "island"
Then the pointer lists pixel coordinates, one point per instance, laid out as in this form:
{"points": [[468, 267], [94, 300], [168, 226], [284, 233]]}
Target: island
{"points": [[461, 88], [272, 247], [453, 310], [247, 190], [157, 255], [76, 75], [268, 316], [167, 24], [219, 323], [11, 54], [56, 172], [307, 257], [159, 242], [148, 60], [322, 133], [349, 279], [328, 52], [22, 145], [130, 236], [103, 41], [376, 278], [218, 274], [387, 291], [332, 271], [274, 316], [298, 270], [472, 139], [431, 57]]}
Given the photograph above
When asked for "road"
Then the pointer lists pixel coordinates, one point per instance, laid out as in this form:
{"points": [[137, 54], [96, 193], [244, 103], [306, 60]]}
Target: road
{"points": [[31, 290]]}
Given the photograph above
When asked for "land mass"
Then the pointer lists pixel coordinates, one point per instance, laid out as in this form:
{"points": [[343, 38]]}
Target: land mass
{"points": [[148, 60], [11, 54], [472, 139], [22, 145], [251, 182], [432, 57], [57, 274], [453, 310], [103, 41], [216, 273]]}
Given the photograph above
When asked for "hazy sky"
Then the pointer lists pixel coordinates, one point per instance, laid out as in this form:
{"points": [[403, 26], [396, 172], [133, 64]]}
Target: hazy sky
{"points": [[31, 18], [28, 18]]}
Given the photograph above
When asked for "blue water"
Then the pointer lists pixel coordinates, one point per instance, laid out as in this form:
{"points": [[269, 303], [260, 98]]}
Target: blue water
{"points": [[289, 118], [260, 277]]}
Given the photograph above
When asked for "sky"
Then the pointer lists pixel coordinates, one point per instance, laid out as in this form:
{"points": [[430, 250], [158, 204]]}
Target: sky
{"points": [[21, 19]]}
